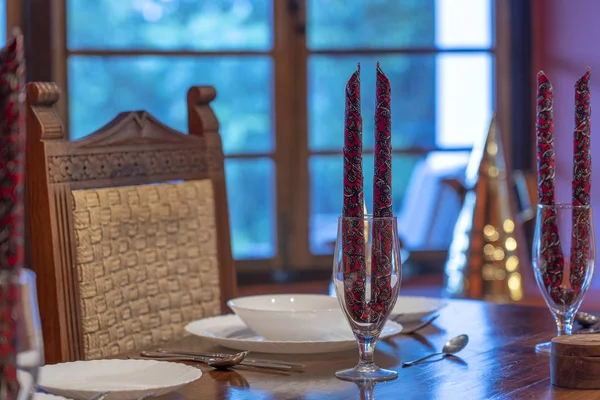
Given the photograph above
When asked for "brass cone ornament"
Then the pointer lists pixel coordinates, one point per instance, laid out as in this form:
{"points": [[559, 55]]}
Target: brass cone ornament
{"points": [[484, 259]]}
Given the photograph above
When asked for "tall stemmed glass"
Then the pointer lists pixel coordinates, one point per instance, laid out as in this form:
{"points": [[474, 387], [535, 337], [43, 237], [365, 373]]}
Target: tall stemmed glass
{"points": [[18, 289], [563, 256], [31, 345], [367, 274]]}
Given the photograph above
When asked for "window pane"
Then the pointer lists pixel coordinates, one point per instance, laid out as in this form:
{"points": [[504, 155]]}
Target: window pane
{"points": [[251, 194], [326, 179], [170, 24], [345, 24], [413, 99], [463, 23], [464, 100], [3, 21], [101, 87]]}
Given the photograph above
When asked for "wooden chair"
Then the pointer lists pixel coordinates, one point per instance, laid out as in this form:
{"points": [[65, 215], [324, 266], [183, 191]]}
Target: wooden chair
{"points": [[129, 227]]}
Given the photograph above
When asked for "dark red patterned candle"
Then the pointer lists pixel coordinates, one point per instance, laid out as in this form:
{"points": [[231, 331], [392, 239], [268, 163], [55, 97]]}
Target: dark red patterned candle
{"points": [[582, 180], [381, 267], [12, 158], [550, 241], [353, 238], [382, 180]]}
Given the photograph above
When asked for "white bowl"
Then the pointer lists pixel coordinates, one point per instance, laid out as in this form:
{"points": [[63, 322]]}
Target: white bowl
{"points": [[292, 317]]}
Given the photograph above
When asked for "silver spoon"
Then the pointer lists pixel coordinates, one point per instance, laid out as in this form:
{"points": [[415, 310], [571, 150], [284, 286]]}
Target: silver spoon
{"points": [[451, 347], [217, 363], [145, 355], [228, 362], [586, 320]]}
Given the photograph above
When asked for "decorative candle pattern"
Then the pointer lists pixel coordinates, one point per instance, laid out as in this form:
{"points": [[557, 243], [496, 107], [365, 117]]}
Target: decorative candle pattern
{"points": [[12, 158], [382, 180], [353, 229], [545, 157], [582, 180], [382, 197]]}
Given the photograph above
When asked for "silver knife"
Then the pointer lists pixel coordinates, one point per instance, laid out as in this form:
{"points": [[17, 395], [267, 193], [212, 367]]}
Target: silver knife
{"points": [[200, 359]]}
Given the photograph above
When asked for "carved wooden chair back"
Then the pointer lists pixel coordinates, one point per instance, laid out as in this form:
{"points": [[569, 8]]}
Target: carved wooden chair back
{"points": [[129, 227]]}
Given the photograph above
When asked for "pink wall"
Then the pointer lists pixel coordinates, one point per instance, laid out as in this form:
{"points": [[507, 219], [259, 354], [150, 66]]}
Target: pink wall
{"points": [[566, 42]]}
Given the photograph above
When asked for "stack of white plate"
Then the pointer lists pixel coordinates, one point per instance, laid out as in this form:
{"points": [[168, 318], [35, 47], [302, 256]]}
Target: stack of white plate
{"points": [[290, 324]]}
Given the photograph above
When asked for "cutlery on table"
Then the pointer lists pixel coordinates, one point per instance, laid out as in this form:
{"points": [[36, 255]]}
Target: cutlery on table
{"points": [[227, 362], [103, 395], [146, 396], [100, 396], [451, 347], [218, 363], [221, 355], [419, 326], [588, 330]]}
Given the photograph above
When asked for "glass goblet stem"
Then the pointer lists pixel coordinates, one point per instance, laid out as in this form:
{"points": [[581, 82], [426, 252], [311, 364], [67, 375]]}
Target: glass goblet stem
{"points": [[366, 347], [564, 323]]}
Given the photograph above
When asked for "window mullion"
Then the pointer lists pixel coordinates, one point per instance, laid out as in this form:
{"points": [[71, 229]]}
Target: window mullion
{"points": [[299, 178], [287, 117]]}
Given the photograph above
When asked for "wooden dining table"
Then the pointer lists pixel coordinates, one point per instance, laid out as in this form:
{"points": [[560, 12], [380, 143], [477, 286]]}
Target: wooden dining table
{"points": [[499, 363]]}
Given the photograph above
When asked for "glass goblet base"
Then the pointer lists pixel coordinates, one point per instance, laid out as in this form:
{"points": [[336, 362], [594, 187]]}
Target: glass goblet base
{"points": [[543, 348], [366, 373]]}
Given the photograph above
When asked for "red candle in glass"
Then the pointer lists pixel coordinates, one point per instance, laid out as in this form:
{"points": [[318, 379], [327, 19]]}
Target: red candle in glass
{"points": [[353, 229]]}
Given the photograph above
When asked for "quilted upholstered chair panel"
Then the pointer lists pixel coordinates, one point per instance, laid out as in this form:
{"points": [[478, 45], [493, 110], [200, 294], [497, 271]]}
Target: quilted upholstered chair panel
{"points": [[147, 263]]}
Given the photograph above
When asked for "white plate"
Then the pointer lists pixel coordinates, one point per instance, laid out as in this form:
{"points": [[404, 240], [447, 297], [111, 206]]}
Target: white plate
{"points": [[124, 379], [414, 308], [231, 332], [26, 383]]}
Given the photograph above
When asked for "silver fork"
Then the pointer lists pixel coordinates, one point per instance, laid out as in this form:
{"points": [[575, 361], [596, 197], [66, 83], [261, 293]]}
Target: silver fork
{"points": [[103, 395], [100, 396], [223, 355], [420, 326]]}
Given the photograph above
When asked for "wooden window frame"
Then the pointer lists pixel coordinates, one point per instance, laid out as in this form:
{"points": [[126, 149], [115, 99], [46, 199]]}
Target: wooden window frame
{"points": [[14, 16], [313, 264], [46, 21], [50, 35]]}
